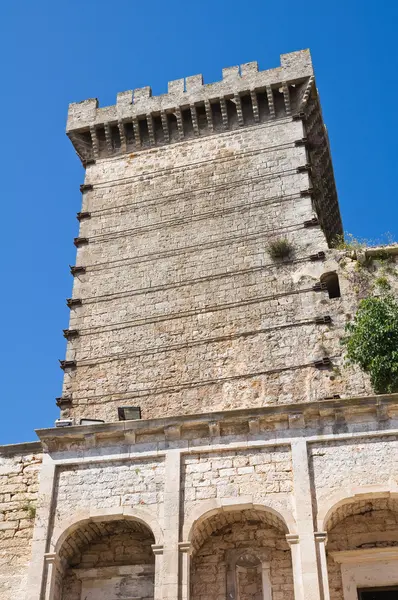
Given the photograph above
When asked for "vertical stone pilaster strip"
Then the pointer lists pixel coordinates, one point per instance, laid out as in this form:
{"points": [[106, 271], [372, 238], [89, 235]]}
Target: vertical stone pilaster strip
{"points": [[37, 575], [286, 97], [209, 115], [165, 126], [94, 141], [149, 120], [224, 112], [137, 137], [305, 523], [270, 98], [179, 123], [266, 580], [122, 133], [293, 541], [238, 104], [158, 552], [194, 118], [171, 525], [53, 565], [321, 539], [256, 114], [185, 554]]}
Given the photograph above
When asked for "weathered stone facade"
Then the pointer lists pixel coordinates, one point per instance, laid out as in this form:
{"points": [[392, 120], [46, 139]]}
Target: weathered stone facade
{"points": [[263, 467]]}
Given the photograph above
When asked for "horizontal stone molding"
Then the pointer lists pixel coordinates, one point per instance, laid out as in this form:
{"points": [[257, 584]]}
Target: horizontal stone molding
{"points": [[365, 555], [22, 448], [317, 419]]}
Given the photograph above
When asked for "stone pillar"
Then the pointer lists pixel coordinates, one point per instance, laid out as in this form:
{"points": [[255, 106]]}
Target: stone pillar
{"points": [[321, 540], [185, 563], [171, 523], [39, 581], [231, 581], [293, 541], [158, 552], [52, 564], [305, 522]]}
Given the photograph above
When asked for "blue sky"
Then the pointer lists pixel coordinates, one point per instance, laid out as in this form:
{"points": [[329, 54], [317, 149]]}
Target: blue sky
{"points": [[56, 52]]}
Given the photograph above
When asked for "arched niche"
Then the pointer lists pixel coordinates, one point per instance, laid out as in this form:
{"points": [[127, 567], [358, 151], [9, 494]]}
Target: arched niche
{"points": [[240, 554], [111, 558]]}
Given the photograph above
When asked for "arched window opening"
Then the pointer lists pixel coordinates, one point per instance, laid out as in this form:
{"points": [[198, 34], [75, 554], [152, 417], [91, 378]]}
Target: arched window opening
{"points": [[332, 283]]}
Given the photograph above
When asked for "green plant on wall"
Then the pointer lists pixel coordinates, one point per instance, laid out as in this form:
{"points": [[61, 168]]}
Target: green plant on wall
{"points": [[372, 341], [280, 248]]}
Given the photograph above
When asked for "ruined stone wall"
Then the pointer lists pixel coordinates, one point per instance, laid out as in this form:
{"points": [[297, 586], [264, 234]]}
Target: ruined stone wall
{"points": [[19, 475]]}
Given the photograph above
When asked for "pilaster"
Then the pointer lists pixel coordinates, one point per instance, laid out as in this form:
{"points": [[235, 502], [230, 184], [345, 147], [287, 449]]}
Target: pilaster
{"points": [[305, 556], [171, 522], [39, 570]]}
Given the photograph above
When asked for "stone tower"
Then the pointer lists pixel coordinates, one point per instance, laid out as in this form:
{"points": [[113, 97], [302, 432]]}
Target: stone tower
{"points": [[177, 305], [216, 446]]}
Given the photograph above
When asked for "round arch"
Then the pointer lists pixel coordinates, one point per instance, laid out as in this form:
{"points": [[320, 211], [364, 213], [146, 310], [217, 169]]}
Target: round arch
{"points": [[142, 516], [208, 508], [343, 497]]}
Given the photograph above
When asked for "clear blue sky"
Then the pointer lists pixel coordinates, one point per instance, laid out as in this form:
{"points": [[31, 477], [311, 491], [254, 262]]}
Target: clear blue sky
{"points": [[58, 51]]}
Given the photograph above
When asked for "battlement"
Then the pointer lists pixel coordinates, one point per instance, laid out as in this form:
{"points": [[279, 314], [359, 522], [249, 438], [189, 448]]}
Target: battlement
{"points": [[191, 109], [245, 96], [294, 66]]}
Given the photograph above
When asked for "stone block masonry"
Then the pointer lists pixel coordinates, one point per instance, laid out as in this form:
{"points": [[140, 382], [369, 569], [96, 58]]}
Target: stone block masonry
{"points": [[19, 477], [263, 467], [183, 309]]}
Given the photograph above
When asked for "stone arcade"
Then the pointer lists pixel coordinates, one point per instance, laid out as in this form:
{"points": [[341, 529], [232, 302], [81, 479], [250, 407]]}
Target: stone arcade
{"points": [[263, 468]]}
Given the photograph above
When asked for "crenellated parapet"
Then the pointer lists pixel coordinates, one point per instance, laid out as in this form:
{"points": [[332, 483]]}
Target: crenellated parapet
{"points": [[245, 96], [191, 109]]}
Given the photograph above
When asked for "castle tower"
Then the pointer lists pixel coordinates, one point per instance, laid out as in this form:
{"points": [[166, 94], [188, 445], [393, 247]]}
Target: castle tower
{"points": [[178, 305], [237, 456]]}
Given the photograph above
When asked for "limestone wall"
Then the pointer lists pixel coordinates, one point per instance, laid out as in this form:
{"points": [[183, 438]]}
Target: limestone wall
{"points": [[100, 486], [181, 302], [209, 565], [262, 473], [19, 476], [343, 465]]}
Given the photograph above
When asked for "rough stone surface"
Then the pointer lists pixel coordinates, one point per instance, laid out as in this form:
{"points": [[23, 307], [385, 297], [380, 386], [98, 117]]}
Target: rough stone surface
{"points": [[19, 475], [339, 465], [373, 524], [185, 309], [209, 564], [266, 473], [116, 484]]}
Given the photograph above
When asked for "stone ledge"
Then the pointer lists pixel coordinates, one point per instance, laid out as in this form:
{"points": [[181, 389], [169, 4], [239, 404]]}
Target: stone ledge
{"points": [[22, 448], [336, 416]]}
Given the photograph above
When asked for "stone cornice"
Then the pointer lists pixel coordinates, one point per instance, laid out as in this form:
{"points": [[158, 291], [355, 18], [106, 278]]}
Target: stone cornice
{"points": [[139, 121], [22, 448], [327, 417]]}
